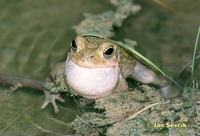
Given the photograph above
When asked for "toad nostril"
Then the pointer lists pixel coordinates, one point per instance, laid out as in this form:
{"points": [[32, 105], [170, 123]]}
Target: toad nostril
{"points": [[82, 55], [91, 58]]}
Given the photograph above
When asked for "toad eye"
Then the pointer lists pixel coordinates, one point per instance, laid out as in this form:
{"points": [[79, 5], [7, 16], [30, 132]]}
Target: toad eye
{"points": [[108, 52], [73, 45]]}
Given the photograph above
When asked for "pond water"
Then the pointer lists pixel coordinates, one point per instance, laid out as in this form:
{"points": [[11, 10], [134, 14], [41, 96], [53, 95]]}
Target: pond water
{"points": [[34, 35]]}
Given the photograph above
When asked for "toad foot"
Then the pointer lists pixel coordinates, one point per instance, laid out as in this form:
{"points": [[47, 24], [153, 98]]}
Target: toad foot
{"points": [[51, 98]]}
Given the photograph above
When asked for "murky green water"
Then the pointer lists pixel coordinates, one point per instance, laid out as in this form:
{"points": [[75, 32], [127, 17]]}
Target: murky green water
{"points": [[34, 35]]}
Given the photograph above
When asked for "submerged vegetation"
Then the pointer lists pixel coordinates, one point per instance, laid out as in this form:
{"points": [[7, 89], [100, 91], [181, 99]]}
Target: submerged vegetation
{"points": [[139, 112], [142, 111], [104, 23]]}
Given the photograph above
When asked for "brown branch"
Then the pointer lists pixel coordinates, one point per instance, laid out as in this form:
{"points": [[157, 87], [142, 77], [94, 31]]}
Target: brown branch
{"points": [[165, 6], [25, 83]]}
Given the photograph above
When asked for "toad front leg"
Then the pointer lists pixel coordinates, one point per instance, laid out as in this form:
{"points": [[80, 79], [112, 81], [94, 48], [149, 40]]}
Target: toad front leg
{"points": [[54, 85], [51, 98], [145, 75]]}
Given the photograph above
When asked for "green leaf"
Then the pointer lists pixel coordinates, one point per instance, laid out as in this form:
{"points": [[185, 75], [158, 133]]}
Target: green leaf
{"points": [[195, 50]]}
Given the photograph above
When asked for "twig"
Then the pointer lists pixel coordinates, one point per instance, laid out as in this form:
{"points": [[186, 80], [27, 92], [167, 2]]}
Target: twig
{"points": [[138, 110], [128, 114], [165, 6], [24, 82], [134, 115]]}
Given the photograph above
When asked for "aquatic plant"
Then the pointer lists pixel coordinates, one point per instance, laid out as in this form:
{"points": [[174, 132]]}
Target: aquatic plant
{"points": [[104, 23]]}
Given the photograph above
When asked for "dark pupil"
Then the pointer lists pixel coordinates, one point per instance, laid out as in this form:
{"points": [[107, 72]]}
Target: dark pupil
{"points": [[109, 51], [74, 45]]}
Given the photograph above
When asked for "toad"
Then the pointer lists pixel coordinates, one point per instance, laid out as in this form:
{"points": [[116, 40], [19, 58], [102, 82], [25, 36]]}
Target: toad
{"points": [[96, 67]]}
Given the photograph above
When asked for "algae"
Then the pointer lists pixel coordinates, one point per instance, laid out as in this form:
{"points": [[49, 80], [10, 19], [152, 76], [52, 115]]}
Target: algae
{"points": [[104, 23], [142, 111], [174, 116], [103, 121]]}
